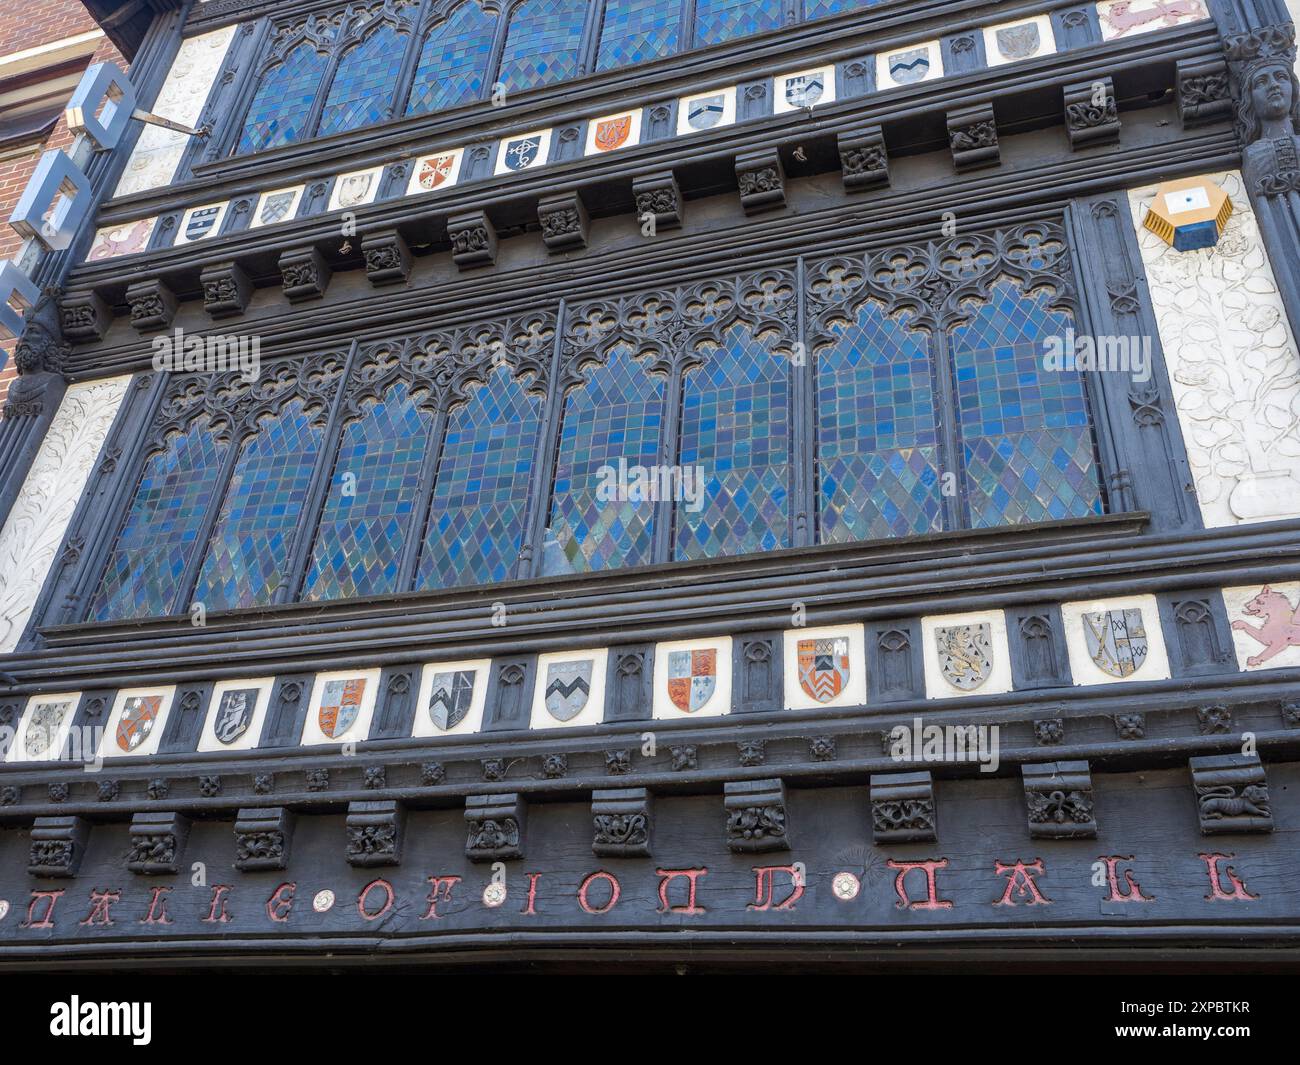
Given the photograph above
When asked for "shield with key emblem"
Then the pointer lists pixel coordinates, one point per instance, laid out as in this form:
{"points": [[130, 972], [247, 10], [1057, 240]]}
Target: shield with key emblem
{"points": [[824, 667], [568, 687], [692, 678], [1116, 641]]}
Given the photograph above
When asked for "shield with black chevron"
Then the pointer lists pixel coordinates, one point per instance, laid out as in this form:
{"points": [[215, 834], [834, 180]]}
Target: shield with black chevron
{"points": [[450, 697], [824, 667], [568, 687]]}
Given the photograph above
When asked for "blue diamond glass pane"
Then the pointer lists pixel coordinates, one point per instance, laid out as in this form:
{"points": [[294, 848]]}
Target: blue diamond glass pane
{"points": [[367, 513], [736, 430], [821, 8], [542, 44], [249, 549], [363, 86], [877, 444], [636, 30], [1025, 432], [724, 20], [453, 60], [611, 424], [283, 101], [157, 539], [476, 522]]}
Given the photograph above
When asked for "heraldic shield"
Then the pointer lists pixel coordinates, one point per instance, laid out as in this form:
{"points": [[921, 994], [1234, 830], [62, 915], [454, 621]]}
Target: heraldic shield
{"points": [[611, 133], [706, 112], [692, 678], [1018, 42], [568, 687], [46, 720], [434, 171], [804, 90], [1116, 640], [965, 654], [520, 154], [450, 697], [139, 714], [912, 65], [824, 667], [339, 705], [234, 715]]}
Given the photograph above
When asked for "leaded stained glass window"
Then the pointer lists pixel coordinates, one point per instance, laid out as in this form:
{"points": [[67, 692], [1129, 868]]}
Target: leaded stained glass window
{"points": [[368, 510], [283, 103], [724, 20], [1027, 445], [636, 30], [821, 8], [480, 495], [542, 44], [612, 423], [453, 61], [877, 442], [248, 554], [736, 430], [361, 92], [157, 540]]}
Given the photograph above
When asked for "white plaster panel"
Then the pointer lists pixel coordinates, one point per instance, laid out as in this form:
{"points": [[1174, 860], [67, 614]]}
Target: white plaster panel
{"points": [[854, 693], [1232, 363], [126, 698], [1128, 18], [312, 732], [937, 686], [158, 151], [247, 740], [39, 519], [1085, 670], [1265, 623], [473, 721], [718, 703]]}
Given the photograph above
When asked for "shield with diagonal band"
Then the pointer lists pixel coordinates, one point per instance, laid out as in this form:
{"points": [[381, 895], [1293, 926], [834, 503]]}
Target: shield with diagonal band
{"points": [[450, 697], [139, 714], [824, 667], [1116, 641]]}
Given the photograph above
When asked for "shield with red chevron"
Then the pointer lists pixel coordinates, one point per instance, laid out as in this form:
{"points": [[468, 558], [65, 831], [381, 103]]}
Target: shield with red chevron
{"points": [[824, 667]]}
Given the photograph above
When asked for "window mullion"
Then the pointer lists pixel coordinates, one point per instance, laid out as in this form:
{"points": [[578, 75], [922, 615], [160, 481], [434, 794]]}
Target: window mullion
{"points": [[295, 573], [803, 437], [322, 94], [590, 42], [493, 73], [669, 455], [420, 517], [950, 462], [537, 512], [414, 46]]}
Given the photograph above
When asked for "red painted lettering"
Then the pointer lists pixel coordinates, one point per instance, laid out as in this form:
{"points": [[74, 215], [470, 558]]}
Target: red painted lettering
{"points": [[614, 892], [1021, 881], [530, 907], [279, 904], [441, 886], [931, 900], [667, 876], [763, 883], [1217, 894], [1132, 889], [374, 915], [100, 903], [219, 893], [157, 908], [47, 918]]}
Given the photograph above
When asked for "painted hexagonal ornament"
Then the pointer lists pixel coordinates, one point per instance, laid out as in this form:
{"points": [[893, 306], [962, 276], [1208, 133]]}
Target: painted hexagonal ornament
{"points": [[1189, 213]]}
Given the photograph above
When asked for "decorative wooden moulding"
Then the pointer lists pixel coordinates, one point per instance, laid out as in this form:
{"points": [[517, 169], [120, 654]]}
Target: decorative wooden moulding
{"points": [[621, 819], [262, 838], [157, 840], [58, 845], [84, 316], [387, 256], [153, 305], [659, 196], [973, 136], [495, 827], [756, 815], [304, 274], [564, 222], [864, 162], [1059, 799], [761, 179], [473, 240], [226, 290], [1203, 93], [903, 808], [1091, 116], [1231, 794], [375, 832]]}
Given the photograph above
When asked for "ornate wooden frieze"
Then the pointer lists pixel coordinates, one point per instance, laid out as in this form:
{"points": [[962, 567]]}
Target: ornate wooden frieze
{"points": [[1203, 94], [756, 815], [564, 221], [153, 305], [1091, 115], [973, 137], [157, 842], [304, 273], [388, 257], [864, 161], [473, 240], [84, 316], [1231, 794], [375, 833], [58, 845], [659, 201], [1058, 796], [262, 838], [495, 827], [903, 808], [621, 819], [227, 289], [761, 179]]}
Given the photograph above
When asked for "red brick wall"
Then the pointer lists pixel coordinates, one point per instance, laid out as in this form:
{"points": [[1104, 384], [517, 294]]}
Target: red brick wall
{"points": [[27, 24]]}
